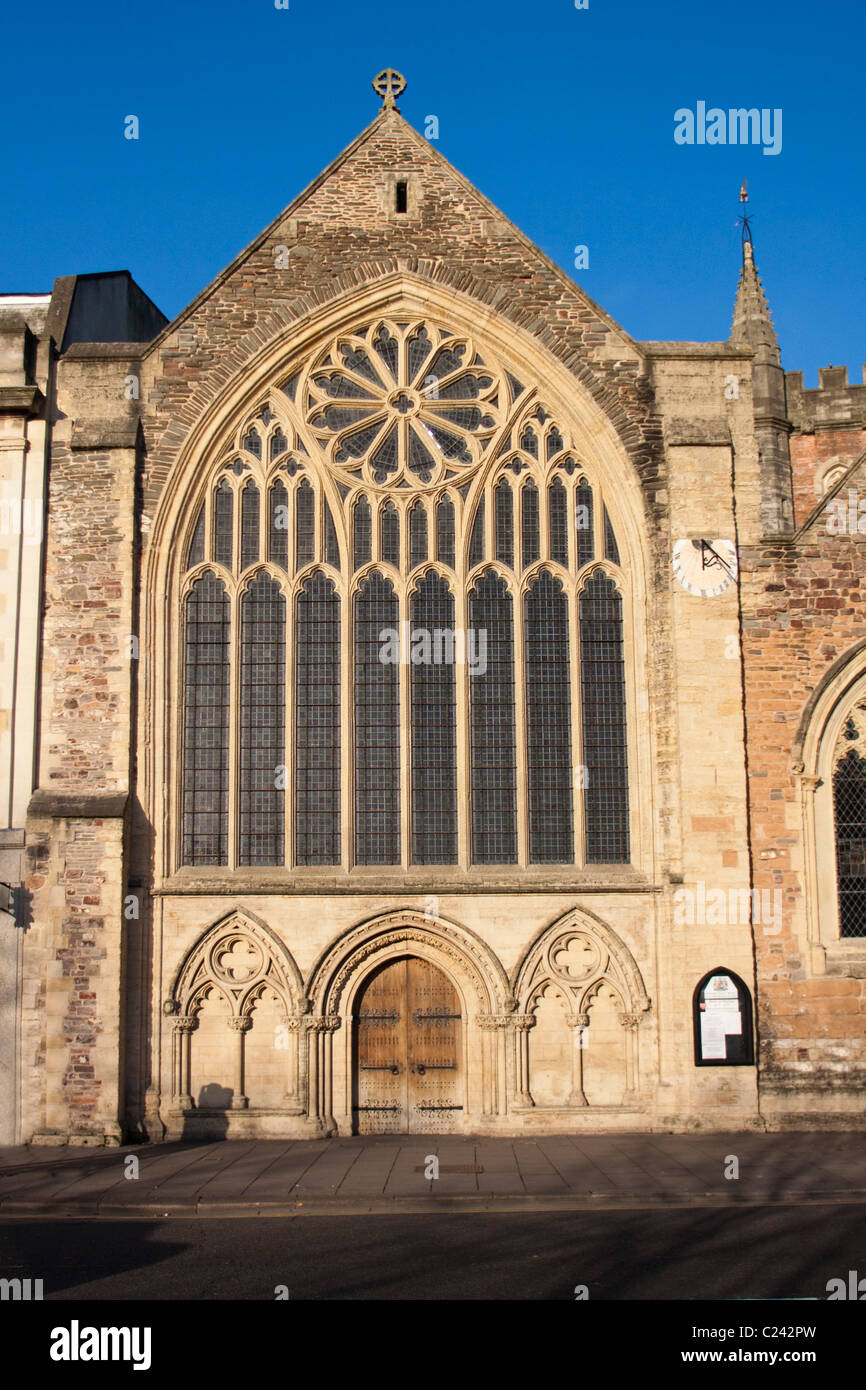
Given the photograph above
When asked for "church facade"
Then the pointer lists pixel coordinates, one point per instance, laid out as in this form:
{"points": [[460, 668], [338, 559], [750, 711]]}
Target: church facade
{"points": [[427, 708]]}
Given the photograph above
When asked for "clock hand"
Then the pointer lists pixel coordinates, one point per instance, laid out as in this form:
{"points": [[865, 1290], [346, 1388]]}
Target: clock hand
{"points": [[716, 560]]}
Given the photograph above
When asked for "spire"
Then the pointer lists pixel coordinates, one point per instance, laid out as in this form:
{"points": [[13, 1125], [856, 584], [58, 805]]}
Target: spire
{"points": [[753, 323]]}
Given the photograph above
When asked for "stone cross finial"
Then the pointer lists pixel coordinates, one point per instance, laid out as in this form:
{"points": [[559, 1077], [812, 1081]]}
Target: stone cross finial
{"points": [[389, 84]]}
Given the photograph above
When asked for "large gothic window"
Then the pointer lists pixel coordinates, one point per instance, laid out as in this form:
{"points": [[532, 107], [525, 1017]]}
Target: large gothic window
{"points": [[849, 808], [402, 636]]}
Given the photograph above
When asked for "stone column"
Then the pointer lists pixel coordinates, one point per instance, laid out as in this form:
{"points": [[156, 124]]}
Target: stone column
{"points": [[630, 1022], [183, 1030], [239, 1026], [292, 1100], [577, 1097], [521, 1024]]}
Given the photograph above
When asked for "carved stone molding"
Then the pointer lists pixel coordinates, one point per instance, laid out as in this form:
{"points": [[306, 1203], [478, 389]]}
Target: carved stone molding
{"points": [[240, 1025]]}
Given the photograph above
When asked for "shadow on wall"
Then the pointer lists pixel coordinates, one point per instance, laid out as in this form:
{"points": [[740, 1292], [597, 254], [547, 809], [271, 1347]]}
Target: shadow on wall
{"points": [[213, 1102]]}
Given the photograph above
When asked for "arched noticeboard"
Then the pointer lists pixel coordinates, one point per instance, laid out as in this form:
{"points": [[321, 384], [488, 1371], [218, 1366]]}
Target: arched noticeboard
{"points": [[722, 1009]]}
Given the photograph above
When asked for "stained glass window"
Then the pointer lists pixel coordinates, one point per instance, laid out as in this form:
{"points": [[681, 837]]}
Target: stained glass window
{"points": [[531, 541], [389, 535], [206, 723], [317, 723], [557, 512], [305, 525], [363, 533], [548, 722], [584, 523], [417, 535], [249, 525], [605, 759], [262, 723], [377, 726], [434, 735], [223, 511], [849, 804], [504, 523], [278, 530], [492, 727], [476, 542], [445, 532]]}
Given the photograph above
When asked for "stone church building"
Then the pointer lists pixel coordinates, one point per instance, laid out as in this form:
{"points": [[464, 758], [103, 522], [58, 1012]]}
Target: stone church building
{"points": [[425, 708]]}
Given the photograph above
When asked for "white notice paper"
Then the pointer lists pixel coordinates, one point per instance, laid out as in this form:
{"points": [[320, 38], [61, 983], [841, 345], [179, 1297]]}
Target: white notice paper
{"points": [[713, 1037]]}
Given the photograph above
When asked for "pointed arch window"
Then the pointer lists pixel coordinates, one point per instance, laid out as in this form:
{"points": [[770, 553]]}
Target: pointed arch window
{"points": [[305, 525], [493, 789], [262, 723], [417, 535], [445, 532], [849, 811], [434, 733], [476, 540], [362, 533], [249, 525], [317, 723], [278, 529], [548, 722], [207, 639], [223, 515], [584, 522], [389, 535], [196, 545], [602, 666], [504, 523], [529, 524], [557, 511], [377, 726]]}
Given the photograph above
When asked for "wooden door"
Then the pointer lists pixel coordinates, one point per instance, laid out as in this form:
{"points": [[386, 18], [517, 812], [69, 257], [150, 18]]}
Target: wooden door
{"points": [[407, 1048]]}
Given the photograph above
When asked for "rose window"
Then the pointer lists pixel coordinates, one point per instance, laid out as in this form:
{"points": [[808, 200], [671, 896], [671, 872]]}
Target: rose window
{"points": [[404, 403]]}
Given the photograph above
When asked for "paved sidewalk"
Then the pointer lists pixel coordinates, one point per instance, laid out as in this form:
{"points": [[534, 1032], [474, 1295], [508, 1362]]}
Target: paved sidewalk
{"points": [[390, 1173]]}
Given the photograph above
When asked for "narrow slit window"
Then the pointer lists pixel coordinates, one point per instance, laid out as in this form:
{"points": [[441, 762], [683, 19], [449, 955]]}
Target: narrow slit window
{"points": [[584, 523], [262, 723], [317, 723], [529, 528], [445, 532], [389, 535], [611, 549], [492, 726], [278, 528], [476, 542], [603, 718], [223, 516], [504, 523], [417, 535], [548, 723], [401, 201], [362, 533], [305, 525], [557, 512], [207, 637], [377, 726], [249, 525], [434, 733]]}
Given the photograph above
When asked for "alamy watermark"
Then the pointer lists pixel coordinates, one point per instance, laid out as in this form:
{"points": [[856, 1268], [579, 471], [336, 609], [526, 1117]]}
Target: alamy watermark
{"points": [[419, 646], [736, 126], [846, 518], [720, 907]]}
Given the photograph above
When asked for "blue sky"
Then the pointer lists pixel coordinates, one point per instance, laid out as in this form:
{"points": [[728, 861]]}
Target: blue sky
{"points": [[563, 117]]}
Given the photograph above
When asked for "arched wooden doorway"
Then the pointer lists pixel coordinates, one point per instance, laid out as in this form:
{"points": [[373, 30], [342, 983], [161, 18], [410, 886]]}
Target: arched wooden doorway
{"points": [[408, 1053]]}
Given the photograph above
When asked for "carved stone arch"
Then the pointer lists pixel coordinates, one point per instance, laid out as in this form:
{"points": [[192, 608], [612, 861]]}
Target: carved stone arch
{"points": [[580, 950], [235, 954], [462, 953], [833, 725], [471, 967]]}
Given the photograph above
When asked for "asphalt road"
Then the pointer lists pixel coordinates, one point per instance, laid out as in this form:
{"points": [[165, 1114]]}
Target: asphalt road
{"points": [[678, 1253]]}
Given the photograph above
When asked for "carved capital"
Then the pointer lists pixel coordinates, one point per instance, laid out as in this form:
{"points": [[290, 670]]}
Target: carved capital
{"points": [[240, 1025], [185, 1025], [629, 1020], [582, 1020], [490, 1021]]}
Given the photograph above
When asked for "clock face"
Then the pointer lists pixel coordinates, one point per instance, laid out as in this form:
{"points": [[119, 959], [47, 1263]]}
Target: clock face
{"points": [[705, 567]]}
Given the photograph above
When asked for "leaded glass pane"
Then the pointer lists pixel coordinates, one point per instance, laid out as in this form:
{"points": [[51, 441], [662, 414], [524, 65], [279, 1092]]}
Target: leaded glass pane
{"points": [[849, 802], [249, 525], [362, 533], [434, 738], [445, 532], [557, 511], [196, 545], [206, 723], [389, 535], [584, 523], [261, 805], [377, 726], [476, 543], [305, 525], [494, 745], [278, 529], [611, 549], [223, 512], [504, 523], [548, 722], [605, 756], [317, 726], [529, 529], [417, 535], [332, 545]]}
